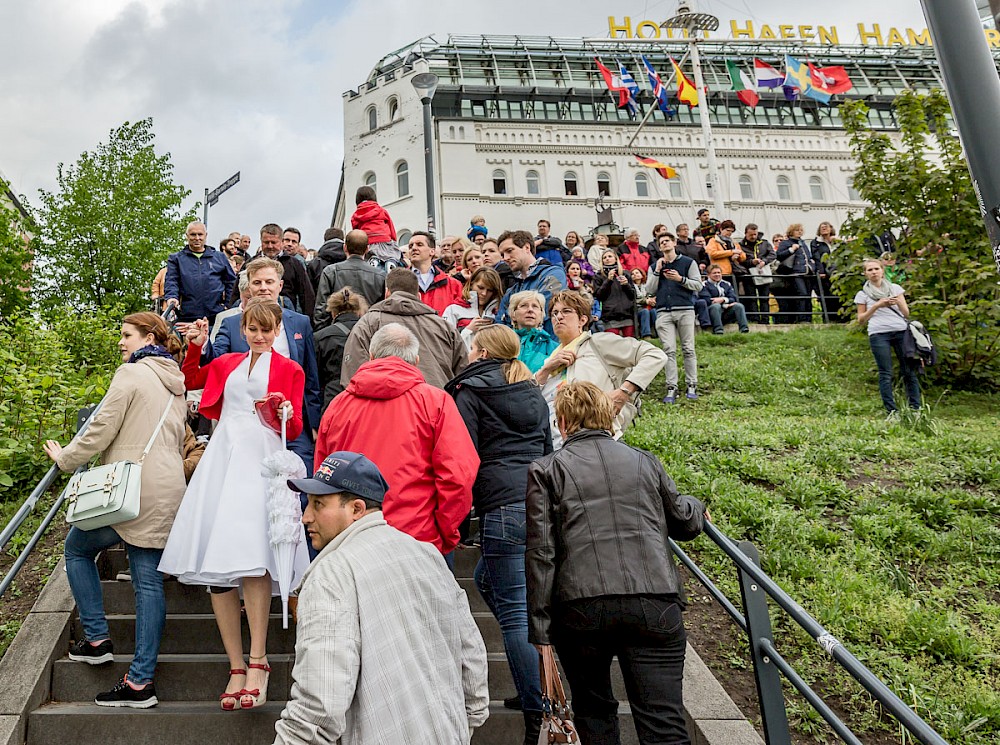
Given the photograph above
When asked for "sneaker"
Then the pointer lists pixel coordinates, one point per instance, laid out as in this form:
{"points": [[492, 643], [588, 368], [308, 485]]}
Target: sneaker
{"points": [[671, 396], [717, 332], [125, 576], [692, 392], [893, 417], [99, 654], [124, 695]]}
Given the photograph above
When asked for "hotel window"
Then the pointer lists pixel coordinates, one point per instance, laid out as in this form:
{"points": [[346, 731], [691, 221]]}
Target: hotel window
{"points": [[746, 188], [499, 182], [641, 185], [370, 179], [393, 109], [816, 189], [402, 179], [531, 178], [784, 189], [372, 118], [604, 184], [569, 182], [676, 191]]}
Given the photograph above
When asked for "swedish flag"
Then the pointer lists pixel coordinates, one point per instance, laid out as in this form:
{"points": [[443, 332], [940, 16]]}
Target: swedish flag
{"points": [[797, 76]]}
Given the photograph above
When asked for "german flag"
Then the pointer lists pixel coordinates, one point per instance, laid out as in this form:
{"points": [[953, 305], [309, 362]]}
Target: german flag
{"points": [[661, 168]]}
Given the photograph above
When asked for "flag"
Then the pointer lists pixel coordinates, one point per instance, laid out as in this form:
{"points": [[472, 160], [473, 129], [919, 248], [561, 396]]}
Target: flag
{"points": [[614, 82], [830, 80], [659, 90], [767, 76], [797, 76], [661, 168], [631, 88], [791, 92], [686, 92], [742, 84]]}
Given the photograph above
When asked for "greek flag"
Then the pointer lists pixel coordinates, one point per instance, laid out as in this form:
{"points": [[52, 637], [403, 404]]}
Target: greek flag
{"points": [[632, 88]]}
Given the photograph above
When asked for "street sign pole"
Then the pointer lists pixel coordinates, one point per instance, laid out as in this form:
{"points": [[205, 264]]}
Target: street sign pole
{"points": [[212, 197], [970, 79], [204, 214]]}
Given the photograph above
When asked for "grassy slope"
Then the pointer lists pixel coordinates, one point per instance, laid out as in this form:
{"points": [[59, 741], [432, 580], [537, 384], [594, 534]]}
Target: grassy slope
{"points": [[888, 535]]}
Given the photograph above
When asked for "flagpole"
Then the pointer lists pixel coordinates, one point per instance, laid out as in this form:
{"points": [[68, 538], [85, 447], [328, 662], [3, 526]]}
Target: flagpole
{"points": [[653, 108]]}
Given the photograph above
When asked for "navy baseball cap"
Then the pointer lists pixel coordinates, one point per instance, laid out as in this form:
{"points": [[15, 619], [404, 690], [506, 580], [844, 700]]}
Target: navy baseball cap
{"points": [[344, 472]]}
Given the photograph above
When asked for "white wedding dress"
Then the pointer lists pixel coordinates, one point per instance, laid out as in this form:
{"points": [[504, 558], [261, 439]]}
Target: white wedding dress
{"points": [[220, 532]]}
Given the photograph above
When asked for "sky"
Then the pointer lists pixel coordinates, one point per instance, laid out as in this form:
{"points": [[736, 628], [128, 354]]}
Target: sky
{"points": [[255, 85]]}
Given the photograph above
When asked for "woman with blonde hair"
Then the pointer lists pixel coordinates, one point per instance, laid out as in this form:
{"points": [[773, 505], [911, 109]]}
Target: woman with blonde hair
{"points": [[527, 311], [480, 298], [345, 307], [821, 251], [468, 258], [508, 420], [795, 262]]}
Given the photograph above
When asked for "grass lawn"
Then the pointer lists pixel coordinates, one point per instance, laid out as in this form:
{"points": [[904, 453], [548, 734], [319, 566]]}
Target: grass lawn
{"points": [[889, 535]]}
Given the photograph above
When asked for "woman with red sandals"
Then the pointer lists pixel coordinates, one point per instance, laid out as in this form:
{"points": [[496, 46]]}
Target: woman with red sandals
{"points": [[220, 535]]}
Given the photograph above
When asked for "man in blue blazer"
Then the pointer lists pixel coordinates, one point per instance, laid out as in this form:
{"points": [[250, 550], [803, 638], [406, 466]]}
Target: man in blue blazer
{"points": [[295, 342]]}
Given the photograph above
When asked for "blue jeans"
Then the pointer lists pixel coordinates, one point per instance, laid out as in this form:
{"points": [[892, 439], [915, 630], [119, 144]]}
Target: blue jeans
{"points": [[883, 346], [82, 547], [500, 578], [647, 321], [734, 313]]}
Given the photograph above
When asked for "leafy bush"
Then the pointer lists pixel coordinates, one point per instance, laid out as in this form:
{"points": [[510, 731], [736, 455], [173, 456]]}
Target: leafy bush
{"points": [[48, 371], [921, 190]]}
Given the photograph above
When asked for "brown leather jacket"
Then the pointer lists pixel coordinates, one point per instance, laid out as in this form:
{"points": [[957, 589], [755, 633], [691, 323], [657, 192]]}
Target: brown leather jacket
{"points": [[598, 516]]}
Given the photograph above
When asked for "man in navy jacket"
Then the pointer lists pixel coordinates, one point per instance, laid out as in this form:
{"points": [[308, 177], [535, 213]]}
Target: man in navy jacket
{"points": [[295, 342], [723, 305], [199, 278]]}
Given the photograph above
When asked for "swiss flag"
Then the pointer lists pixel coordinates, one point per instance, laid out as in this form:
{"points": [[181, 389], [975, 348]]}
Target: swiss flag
{"points": [[830, 80]]}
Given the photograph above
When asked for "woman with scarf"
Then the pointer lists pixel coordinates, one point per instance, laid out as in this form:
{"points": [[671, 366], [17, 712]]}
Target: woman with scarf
{"points": [[796, 264], [821, 250], [527, 311], [725, 252], [882, 306], [148, 385]]}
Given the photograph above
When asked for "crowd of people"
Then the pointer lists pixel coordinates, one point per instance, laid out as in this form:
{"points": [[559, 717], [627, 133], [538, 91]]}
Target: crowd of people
{"points": [[419, 385]]}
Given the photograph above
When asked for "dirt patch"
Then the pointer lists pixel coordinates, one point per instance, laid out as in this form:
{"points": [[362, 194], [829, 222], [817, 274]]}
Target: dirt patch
{"points": [[723, 647], [862, 477]]}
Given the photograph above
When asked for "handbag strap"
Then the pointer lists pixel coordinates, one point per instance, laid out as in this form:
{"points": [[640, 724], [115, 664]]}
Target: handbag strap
{"points": [[156, 432]]}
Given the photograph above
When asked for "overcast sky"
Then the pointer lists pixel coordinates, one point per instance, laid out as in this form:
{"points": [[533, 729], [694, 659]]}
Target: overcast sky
{"points": [[255, 85]]}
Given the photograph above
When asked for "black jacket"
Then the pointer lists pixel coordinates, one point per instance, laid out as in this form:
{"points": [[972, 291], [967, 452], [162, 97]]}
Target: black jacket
{"points": [[297, 287], [693, 251], [617, 300], [330, 343], [331, 252], [598, 515], [509, 425]]}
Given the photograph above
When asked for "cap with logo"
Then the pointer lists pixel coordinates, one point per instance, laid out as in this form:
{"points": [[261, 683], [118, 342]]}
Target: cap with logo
{"points": [[344, 472]]}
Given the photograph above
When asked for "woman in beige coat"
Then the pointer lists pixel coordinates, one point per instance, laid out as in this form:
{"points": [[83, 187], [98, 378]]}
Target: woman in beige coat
{"points": [[140, 392]]}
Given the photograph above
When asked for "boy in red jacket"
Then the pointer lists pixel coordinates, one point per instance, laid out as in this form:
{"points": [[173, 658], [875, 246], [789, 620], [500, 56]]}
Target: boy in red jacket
{"points": [[371, 217]]}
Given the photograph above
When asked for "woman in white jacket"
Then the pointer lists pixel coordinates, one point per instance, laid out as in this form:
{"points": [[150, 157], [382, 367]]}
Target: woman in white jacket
{"points": [[480, 298]]}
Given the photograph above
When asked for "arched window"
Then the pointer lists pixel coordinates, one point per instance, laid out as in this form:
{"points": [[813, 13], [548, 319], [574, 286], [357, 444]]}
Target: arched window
{"points": [[604, 184], [403, 237], [533, 183], [784, 189], [676, 190], [816, 189], [569, 183], [641, 185], [852, 193], [402, 179], [499, 182], [372, 118], [393, 109], [746, 187], [370, 179]]}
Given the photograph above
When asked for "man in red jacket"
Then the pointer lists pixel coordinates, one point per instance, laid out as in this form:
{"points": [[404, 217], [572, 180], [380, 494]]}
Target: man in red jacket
{"points": [[415, 435], [437, 289]]}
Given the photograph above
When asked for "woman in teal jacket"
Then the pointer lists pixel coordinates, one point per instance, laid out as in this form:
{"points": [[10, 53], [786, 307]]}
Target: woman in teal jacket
{"points": [[527, 310]]}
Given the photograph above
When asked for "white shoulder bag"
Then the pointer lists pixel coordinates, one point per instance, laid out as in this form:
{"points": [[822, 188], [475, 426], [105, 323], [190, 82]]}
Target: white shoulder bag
{"points": [[109, 494]]}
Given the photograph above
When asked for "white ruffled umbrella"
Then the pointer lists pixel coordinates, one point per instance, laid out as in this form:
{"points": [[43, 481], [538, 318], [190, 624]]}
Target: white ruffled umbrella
{"points": [[284, 514]]}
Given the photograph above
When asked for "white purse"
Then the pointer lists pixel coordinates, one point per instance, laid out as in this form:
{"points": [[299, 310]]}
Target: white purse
{"points": [[108, 494]]}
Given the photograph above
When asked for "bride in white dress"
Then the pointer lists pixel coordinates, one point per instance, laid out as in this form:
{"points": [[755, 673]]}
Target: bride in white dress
{"points": [[220, 535]]}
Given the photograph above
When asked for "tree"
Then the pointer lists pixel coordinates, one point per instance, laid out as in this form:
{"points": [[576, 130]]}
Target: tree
{"points": [[15, 259], [109, 226], [921, 190]]}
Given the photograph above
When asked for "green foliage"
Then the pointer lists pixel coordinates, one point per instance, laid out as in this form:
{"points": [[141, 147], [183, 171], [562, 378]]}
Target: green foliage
{"points": [[47, 374], [15, 259], [887, 533], [921, 190], [110, 225]]}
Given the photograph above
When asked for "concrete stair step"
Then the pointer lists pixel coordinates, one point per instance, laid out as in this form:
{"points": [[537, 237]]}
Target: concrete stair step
{"points": [[177, 723], [179, 677]]}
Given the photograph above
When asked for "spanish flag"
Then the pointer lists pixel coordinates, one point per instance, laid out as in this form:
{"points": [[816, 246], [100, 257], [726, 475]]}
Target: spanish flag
{"points": [[661, 168], [686, 92]]}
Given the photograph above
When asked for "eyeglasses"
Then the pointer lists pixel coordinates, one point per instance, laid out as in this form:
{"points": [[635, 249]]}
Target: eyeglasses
{"points": [[563, 312]]}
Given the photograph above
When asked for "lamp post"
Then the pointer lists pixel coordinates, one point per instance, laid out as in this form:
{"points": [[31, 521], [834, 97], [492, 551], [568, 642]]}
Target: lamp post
{"points": [[425, 83], [694, 22]]}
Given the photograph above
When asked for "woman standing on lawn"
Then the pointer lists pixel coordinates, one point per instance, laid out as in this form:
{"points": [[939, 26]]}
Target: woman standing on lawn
{"points": [[147, 387], [882, 305]]}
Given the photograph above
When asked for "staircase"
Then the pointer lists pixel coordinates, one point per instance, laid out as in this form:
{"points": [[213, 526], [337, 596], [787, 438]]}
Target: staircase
{"points": [[191, 673]]}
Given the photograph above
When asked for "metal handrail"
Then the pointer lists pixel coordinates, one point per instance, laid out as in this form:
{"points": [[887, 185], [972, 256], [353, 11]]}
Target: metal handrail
{"points": [[756, 587], [83, 419]]}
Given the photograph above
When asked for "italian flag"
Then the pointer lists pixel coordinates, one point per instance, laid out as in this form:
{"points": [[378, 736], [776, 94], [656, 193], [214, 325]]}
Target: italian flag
{"points": [[743, 85]]}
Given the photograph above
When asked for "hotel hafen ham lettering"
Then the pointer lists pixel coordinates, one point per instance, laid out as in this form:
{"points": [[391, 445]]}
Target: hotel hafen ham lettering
{"points": [[872, 34]]}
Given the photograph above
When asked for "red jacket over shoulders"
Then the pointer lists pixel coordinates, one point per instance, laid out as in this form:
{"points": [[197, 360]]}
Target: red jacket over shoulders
{"points": [[443, 291], [285, 376], [415, 434], [372, 218]]}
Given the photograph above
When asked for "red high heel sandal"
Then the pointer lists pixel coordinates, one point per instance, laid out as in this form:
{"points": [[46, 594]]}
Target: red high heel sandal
{"points": [[234, 695], [252, 699]]}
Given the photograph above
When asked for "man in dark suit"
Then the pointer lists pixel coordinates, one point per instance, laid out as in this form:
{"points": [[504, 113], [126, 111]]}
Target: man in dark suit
{"points": [[294, 342]]}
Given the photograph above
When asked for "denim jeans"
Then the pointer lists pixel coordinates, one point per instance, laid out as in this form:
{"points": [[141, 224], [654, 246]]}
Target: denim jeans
{"points": [[883, 346], [647, 321], [500, 579], [647, 634], [82, 547], [720, 315]]}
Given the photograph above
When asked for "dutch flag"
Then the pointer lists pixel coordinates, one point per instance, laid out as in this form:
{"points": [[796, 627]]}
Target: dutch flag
{"points": [[767, 76]]}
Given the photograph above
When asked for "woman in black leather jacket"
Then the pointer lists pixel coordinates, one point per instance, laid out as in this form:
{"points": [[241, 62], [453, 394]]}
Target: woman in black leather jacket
{"points": [[508, 420], [600, 578]]}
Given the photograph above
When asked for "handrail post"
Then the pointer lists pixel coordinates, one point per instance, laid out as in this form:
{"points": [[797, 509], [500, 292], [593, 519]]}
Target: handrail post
{"points": [[765, 673]]}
